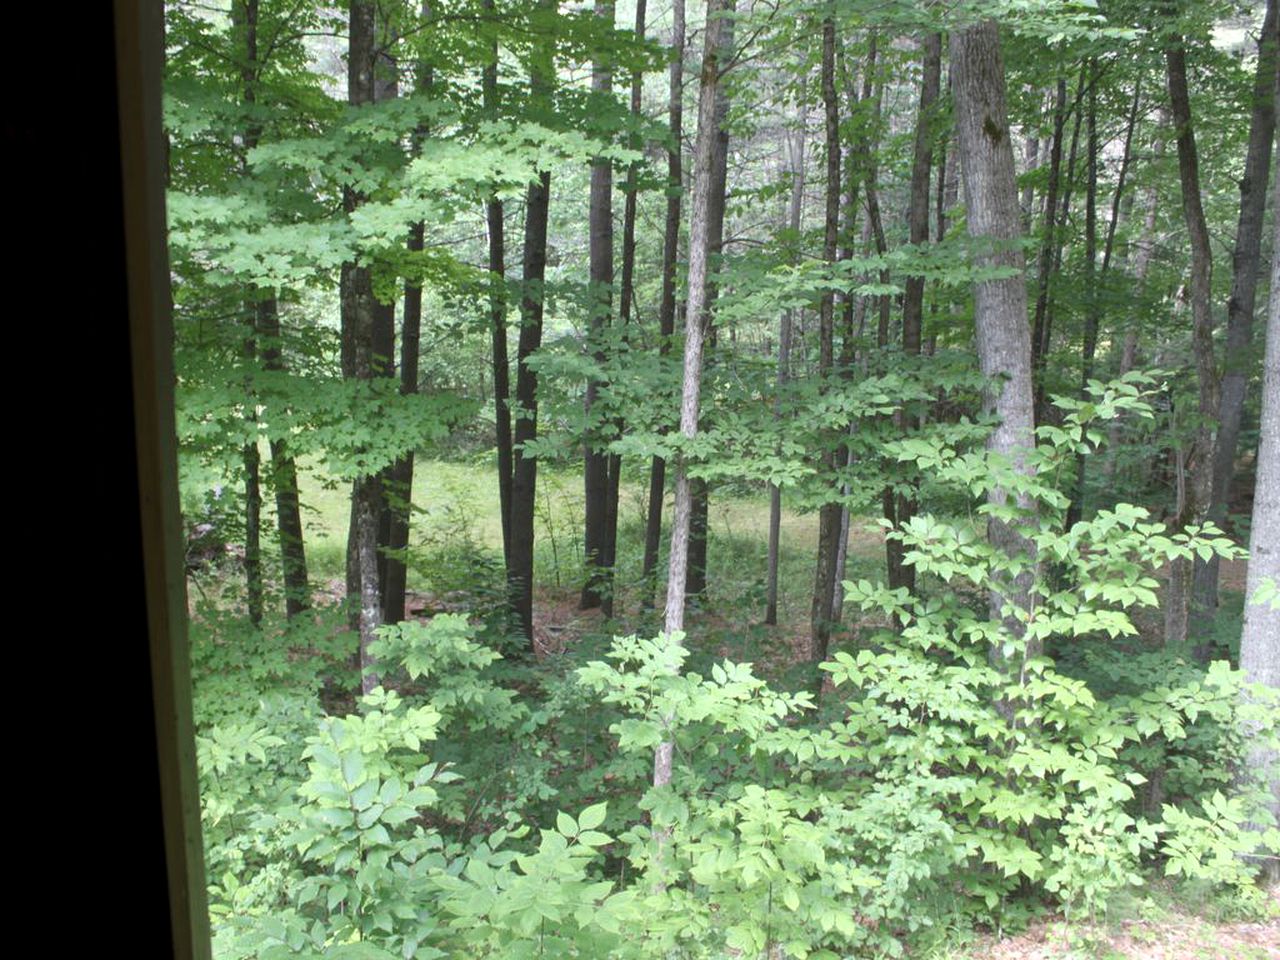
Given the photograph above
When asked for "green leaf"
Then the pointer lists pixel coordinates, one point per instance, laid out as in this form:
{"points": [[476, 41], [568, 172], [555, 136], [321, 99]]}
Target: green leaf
{"points": [[566, 825], [592, 816]]}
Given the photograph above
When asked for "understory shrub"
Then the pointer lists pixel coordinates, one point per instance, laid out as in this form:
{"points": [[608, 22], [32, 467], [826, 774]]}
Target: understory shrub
{"points": [[948, 773]]}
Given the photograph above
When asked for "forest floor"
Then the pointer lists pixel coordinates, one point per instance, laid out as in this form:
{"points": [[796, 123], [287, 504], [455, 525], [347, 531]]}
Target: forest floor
{"points": [[1180, 937]]}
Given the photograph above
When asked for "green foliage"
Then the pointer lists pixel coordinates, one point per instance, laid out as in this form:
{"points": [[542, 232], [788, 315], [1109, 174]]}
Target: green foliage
{"points": [[963, 765]]}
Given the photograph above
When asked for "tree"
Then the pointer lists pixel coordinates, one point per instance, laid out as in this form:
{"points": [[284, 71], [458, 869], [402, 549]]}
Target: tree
{"points": [[795, 209], [1240, 307], [901, 573], [358, 340], [599, 522], [670, 255], [695, 331], [1260, 639], [524, 485], [497, 263], [829, 515], [696, 583], [1000, 314], [1194, 493]]}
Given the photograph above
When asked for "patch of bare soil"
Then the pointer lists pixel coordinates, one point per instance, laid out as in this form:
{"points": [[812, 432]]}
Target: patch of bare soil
{"points": [[558, 623], [1176, 938]]}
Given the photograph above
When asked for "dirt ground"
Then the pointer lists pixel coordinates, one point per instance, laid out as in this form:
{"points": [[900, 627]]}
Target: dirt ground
{"points": [[1177, 938]]}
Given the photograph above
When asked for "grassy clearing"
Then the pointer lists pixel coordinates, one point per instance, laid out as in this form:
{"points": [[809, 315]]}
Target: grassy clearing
{"points": [[456, 506]]}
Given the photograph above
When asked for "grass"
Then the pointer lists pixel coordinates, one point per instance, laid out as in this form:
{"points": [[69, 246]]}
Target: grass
{"points": [[456, 504]]}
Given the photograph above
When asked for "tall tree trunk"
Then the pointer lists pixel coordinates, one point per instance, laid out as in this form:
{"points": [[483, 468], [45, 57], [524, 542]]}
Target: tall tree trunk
{"points": [[1092, 306], [873, 90], [848, 337], [1199, 457], [498, 315], [1260, 639], [595, 472], [245, 16], [386, 86], [696, 584], [1244, 284], [265, 339], [667, 305], [829, 513], [1040, 346], [399, 488], [902, 574], [1141, 263], [358, 323], [1000, 314], [284, 477], [795, 207], [695, 328], [524, 486], [1045, 261], [1031, 160], [626, 297], [252, 504]]}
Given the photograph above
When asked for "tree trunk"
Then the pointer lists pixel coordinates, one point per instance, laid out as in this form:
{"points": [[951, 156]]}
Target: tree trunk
{"points": [[1141, 263], [1199, 457], [626, 297], [245, 15], [358, 323], [1092, 306], [525, 471], [498, 315], [695, 323], [696, 585], [913, 294], [829, 513], [1000, 314], [1044, 261], [848, 343], [1040, 346], [1244, 284], [795, 208], [595, 472], [667, 306], [252, 514], [1260, 639], [284, 477], [400, 480], [1031, 160]]}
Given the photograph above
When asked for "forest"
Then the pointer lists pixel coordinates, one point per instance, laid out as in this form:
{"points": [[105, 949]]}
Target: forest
{"points": [[763, 478]]}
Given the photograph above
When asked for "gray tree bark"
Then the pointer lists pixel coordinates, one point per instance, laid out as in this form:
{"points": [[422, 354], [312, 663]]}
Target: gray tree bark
{"points": [[358, 308], [696, 583], [695, 317], [667, 305], [1260, 640], [1000, 312], [1194, 504], [902, 574]]}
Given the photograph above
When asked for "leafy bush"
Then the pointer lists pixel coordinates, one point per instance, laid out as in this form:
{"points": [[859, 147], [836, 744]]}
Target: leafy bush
{"points": [[951, 773]]}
